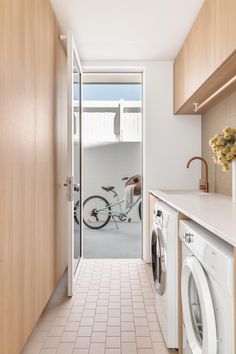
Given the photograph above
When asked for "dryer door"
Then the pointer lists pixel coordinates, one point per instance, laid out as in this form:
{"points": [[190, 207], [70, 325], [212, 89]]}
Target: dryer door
{"points": [[198, 309], [158, 259]]}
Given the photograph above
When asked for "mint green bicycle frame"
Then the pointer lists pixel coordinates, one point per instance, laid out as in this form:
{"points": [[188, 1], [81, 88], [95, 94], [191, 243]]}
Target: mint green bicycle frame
{"points": [[120, 212]]}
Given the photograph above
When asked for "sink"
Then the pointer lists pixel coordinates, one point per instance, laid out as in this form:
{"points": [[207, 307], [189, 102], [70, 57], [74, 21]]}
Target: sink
{"points": [[181, 191]]}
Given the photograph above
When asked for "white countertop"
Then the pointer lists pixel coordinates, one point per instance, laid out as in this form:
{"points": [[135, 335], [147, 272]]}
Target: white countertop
{"points": [[213, 211]]}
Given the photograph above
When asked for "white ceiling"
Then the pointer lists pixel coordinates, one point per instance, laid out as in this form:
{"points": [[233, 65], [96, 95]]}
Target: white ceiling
{"points": [[127, 29]]}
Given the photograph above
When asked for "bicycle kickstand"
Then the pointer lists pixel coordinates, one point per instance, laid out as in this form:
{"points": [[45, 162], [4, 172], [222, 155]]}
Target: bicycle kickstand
{"points": [[115, 223]]}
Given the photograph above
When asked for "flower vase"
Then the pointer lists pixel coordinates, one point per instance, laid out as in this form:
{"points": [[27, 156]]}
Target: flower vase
{"points": [[234, 181]]}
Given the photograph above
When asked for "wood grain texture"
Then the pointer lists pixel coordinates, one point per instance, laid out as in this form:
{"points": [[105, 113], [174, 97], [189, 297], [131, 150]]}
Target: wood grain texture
{"points": [[220, 77], [45, 236], [209, 43], [17, 174], [31, 256], [213, 121]]}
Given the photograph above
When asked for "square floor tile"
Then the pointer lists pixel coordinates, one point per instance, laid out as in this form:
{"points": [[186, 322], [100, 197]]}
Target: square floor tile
{"points": [[100, 327], [127, 326], [129, 348], [98, 337], [82, 342], [68, 336], [65, 348], [113, 331], [113, 321], [128, 337], [113, 351], [51, 342], [113, 342], [86, 321], [142, 331], [80, 351], [84, 331], [144, 342], [97, 348]]}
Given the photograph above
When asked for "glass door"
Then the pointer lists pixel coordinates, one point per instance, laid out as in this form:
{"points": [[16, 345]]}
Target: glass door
{"points": [[74, 160]]}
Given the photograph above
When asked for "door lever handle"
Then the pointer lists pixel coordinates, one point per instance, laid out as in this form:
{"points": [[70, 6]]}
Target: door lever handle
{"points": [[70, 188], [76, 187]]}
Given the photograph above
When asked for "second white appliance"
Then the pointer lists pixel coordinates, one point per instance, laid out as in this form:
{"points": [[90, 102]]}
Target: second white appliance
{"points": [[207, 292], [164, 246]]}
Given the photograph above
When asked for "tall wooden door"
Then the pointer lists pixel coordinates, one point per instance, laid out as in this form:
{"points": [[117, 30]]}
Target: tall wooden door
{"points": [[17, 174]]}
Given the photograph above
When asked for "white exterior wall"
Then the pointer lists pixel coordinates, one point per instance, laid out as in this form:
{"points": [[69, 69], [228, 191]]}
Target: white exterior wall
{"points": [[106, 165], [169, 140]]}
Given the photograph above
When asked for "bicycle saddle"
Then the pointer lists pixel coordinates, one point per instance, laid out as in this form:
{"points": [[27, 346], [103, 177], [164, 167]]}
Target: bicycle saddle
{"points": [[108, 189]]}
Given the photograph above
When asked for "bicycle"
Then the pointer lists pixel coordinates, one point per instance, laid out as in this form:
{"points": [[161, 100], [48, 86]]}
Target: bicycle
{"points": [[97, 211]]}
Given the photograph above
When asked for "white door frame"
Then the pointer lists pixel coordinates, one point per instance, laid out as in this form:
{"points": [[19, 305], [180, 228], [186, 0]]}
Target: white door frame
{"points": [[71, 52], [87, 69]]}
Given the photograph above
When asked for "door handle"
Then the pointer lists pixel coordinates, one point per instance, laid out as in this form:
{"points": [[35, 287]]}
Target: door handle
{"points": [[70, 188], [76, 187]]}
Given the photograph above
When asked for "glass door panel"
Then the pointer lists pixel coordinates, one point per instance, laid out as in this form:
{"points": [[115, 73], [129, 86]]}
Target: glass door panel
{"points": [[74, 165]]}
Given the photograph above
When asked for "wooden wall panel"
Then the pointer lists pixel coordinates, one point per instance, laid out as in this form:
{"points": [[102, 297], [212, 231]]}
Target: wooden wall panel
{"points": [[17, 173], [45, 153], [32, 93]]}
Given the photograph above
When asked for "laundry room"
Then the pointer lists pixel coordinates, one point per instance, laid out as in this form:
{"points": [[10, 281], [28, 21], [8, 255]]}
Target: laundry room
{"points": [[118, 177]]}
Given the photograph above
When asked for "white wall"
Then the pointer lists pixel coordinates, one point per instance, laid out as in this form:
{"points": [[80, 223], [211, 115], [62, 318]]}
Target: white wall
{"points": [[107, 165], [169, 141]]}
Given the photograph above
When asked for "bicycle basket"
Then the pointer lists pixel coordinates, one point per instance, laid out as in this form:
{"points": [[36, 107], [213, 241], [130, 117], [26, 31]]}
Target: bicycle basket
{"points": [[137, 181]]}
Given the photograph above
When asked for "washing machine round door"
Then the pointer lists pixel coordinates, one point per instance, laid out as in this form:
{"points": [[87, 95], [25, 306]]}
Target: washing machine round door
{"points": [[198, 309], [158, 259]]}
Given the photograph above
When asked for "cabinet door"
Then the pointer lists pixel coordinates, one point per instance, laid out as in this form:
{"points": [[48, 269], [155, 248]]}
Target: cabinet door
{"points": [[225, 28], [206, 59], [197, 59], [209, 43], [17, 174], [45, 235]]}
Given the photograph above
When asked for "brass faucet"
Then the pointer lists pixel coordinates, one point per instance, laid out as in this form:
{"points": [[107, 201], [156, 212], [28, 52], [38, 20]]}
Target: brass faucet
{"points": [[204, 187]]}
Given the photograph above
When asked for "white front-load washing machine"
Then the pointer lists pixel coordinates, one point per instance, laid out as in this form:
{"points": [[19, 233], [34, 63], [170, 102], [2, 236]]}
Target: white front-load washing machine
{"points": [[164, 246], [206, 291]]}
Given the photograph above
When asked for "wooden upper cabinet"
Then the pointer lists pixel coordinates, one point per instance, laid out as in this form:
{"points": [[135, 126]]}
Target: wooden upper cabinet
{"points": [[226, 28], [209, 44]]}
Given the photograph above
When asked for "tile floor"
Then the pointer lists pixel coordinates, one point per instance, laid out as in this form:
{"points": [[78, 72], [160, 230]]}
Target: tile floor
{"points": [[112, 312]]}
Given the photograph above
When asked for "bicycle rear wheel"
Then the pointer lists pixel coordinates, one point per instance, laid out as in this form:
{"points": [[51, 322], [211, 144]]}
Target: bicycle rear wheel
{"points": [[140, 211], [96, 212], [77, 212]]}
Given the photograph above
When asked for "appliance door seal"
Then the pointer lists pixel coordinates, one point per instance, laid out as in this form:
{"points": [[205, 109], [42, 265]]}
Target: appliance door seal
{"points": [[158, 250]]}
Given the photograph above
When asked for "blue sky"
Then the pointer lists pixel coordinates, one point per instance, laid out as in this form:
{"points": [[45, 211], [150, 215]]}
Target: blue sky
{"points": [[109, 92]]}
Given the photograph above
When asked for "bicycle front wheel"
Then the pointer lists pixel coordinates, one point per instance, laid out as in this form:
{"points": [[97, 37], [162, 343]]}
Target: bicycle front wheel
{"points": [[97, 212]]}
